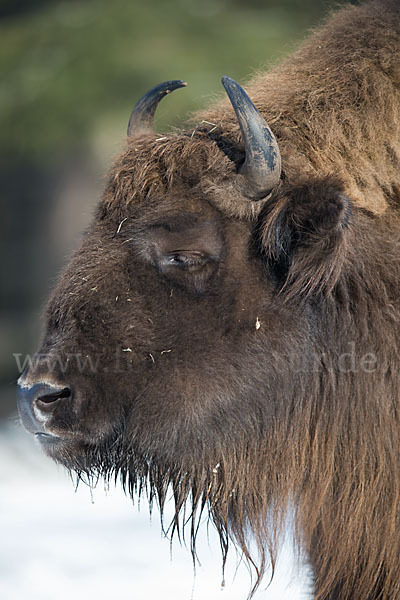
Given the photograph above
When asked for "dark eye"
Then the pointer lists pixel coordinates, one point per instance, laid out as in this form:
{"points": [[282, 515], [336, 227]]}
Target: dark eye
{"points": [[184, 260]]}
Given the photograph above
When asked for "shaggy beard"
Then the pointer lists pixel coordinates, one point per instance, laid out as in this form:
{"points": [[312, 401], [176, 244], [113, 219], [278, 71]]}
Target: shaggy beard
{"points": [[212, 490]]}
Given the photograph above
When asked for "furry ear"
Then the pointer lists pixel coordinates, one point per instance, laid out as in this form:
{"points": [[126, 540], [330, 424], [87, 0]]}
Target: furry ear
{"points": [[303, 233]]}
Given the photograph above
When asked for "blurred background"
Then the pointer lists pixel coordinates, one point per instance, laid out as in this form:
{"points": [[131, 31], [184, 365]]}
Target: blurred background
{"points": [[71, 72]]}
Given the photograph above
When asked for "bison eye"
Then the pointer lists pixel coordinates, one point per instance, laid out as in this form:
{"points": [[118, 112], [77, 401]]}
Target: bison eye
{"points": [[191, 270], [184, 260], [188, 255]]}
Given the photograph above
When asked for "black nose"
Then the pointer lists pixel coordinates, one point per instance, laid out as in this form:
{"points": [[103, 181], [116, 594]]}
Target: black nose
{"points": [[36, 402]]}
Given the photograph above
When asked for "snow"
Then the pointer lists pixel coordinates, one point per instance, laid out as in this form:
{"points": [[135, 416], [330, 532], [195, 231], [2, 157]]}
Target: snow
{"points": [[57, 543]]}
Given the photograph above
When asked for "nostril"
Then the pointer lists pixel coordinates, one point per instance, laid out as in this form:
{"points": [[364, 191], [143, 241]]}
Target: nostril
{"points": [[51, 397], [37, 401]]}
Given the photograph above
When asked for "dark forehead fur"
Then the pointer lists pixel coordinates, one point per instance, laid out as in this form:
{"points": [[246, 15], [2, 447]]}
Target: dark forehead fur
{"points": [[153, 165]]}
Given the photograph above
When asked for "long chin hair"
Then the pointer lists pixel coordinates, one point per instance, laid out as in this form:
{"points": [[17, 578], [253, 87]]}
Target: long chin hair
{"points": [[223, 492]]}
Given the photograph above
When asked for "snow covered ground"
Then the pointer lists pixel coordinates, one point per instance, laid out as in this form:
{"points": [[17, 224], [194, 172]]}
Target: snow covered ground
{"points": [[55, 543]]}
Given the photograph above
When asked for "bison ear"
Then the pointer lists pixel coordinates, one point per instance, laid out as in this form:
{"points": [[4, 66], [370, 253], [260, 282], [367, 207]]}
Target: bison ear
{"points": [[304, 233]]}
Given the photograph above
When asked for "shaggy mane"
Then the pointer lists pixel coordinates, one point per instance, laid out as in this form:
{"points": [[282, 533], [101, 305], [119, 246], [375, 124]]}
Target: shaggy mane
{"points": [[332, 105]]}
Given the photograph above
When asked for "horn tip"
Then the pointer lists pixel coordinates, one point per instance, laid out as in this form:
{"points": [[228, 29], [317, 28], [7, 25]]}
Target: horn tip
{"points": [[225, 80], [231, 86], [179, 83], [170, 86]]}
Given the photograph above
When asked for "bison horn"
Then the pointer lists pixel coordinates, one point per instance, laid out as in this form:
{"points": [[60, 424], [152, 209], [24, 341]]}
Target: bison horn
{"points": [[142, 116], [262, 166]]}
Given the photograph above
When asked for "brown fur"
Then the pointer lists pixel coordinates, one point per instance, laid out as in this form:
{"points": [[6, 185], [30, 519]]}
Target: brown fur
{"points": [[265, 375]]}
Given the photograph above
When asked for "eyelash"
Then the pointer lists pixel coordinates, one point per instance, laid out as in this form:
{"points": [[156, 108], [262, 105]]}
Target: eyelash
{"points": [[185, 261]]}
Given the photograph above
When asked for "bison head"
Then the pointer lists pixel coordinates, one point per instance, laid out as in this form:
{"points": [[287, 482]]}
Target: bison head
{"points": [[193, 319]]}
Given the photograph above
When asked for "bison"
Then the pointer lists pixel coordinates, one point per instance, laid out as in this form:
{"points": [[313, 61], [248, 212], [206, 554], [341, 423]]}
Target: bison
{"points": [[229, 328]]}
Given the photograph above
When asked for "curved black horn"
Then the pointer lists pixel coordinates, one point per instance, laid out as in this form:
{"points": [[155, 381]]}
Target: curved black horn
{"points": [[142, 116], [262, 166]]}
